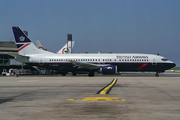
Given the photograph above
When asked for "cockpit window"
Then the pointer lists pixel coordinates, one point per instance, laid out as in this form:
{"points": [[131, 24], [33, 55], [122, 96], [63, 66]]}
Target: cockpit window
{"points": [[164, 59]]}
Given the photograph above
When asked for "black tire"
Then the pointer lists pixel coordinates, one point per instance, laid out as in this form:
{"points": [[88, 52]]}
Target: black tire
{"points": [[63, 74], [74, 74], [17, 75], [157, 74], [91, 74]]}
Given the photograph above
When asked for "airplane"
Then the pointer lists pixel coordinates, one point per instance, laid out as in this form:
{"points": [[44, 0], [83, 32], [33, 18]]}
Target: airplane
{"points": [[63, 50], [39, 45], [105, 63]]}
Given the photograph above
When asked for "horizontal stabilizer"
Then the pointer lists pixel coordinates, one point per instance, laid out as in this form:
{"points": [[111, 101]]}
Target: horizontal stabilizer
{"points": [[16, 55]]}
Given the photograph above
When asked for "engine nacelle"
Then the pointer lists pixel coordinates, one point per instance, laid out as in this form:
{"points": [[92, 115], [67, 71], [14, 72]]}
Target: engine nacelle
{"points": [[110, 69]]}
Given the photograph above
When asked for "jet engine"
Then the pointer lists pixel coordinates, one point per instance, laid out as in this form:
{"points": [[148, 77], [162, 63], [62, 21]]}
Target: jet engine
{"points": [[110, 69]]}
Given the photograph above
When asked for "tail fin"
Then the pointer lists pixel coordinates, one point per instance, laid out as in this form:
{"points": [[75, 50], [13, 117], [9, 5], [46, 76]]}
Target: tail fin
{"points": [[24, 44], [39, 45], [65, 50]]}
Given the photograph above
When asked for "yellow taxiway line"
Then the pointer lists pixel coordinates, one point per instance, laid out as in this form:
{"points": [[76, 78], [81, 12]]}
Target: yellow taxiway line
{"points": [[104, 91], [97, 99]]}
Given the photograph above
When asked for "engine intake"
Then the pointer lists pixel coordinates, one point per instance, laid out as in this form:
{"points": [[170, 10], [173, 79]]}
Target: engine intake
{"points": [[110, 69]]}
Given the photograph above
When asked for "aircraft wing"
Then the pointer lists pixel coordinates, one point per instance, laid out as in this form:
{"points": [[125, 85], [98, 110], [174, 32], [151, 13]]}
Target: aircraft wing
{"points": [[86, 65]]}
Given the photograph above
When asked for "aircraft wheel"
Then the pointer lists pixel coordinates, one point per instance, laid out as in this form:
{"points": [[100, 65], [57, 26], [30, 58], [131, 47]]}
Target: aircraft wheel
{"points": [[17, 75], [74, 74], [54, 73], [63, 74], [91, 74], [157, 74]]}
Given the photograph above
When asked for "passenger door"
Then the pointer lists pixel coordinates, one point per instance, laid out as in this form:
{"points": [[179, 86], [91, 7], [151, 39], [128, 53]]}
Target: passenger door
{"points": [[154, 62], [41, 61]]}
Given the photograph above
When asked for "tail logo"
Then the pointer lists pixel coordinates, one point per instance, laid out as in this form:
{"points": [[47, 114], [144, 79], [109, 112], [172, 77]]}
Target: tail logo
{"points": [[22, 38], [65, 50]]}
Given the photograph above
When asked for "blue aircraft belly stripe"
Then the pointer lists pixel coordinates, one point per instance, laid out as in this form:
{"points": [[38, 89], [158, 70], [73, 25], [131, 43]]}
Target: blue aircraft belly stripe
{"points": [[159, 67]]}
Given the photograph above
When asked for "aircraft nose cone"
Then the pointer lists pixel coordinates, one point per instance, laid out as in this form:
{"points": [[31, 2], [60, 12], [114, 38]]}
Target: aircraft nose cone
{"points": [[169, 66], [173, 65]]}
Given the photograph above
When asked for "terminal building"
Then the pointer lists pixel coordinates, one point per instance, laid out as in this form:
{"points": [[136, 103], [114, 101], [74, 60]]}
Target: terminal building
{"points": [[6, 61]]}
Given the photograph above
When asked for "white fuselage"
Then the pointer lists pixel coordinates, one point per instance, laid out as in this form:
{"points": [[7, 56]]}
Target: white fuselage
{"points": [[98, 58]]}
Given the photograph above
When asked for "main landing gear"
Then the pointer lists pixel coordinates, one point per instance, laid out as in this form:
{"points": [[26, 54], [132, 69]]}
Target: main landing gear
{"points": [[157, 74], [63, 73], [91, 74], [74, 73]]}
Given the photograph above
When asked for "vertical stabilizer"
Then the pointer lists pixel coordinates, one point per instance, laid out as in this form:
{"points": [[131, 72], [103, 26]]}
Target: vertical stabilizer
{"points": [[39, 45], [24, 44], [65, 50]]}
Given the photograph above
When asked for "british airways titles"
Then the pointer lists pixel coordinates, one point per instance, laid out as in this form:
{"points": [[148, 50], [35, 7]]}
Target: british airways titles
{"points": [[131, 57]]}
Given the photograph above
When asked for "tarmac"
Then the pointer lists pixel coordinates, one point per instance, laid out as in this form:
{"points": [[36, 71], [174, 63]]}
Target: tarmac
{"points": [[116, 97]]}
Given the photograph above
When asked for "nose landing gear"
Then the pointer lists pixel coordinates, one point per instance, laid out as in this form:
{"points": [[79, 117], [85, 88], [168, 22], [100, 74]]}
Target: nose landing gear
{"points": [[157, 74]]}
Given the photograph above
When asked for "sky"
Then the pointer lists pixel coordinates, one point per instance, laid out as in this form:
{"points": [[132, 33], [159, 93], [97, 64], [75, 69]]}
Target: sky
{"points": [[117, 26]]}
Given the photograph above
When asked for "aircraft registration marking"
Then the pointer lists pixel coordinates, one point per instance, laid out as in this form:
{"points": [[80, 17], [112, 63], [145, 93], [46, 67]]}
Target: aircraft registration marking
{"points": [[97, 99]]}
